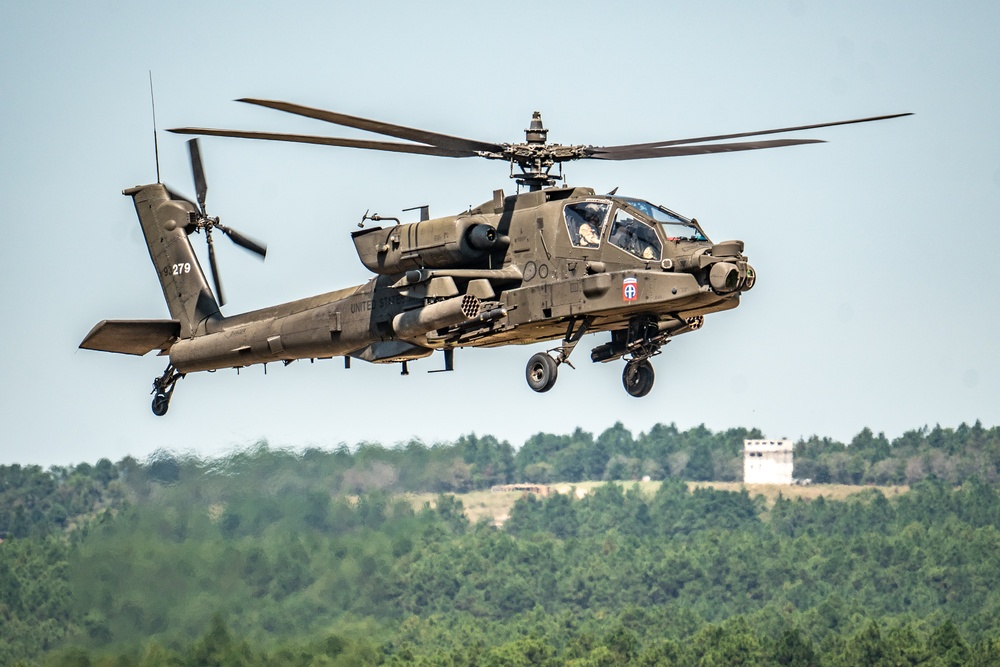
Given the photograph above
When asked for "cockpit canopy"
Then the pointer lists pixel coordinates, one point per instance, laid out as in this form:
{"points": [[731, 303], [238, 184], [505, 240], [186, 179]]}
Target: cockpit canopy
{"points": [[674, 226], [633, 226], [585, 221]]}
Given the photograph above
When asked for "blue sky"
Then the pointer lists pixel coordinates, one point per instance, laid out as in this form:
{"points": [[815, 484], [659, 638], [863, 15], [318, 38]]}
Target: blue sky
{"points": [[876, 303]]}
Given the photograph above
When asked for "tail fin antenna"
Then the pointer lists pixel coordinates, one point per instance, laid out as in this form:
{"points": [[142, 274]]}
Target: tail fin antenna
{"points": [[156, 146]]}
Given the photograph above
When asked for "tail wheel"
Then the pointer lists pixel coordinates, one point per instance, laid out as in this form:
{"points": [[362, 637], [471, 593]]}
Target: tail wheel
{"points": [[638, 378], [541, 372], [160, 404], [163, 389]]}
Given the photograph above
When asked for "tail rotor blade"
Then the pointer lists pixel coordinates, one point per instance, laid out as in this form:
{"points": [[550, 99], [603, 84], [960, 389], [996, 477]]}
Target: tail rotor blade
{"points": [[245, 242], [208, 224], [200, 186], [215, 272]]}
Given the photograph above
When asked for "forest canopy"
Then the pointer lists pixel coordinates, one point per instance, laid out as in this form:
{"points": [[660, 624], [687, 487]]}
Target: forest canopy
{"points": [[271, 556]]}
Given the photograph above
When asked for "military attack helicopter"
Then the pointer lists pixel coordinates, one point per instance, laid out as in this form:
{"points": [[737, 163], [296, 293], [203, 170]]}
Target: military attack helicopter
{"points": [[549, 263]]}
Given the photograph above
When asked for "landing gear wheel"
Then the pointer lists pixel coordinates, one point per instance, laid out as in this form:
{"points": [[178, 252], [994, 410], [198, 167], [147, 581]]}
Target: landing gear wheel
{"points": [[160, 404], [638, 378], [541, 372], [163, 389]]}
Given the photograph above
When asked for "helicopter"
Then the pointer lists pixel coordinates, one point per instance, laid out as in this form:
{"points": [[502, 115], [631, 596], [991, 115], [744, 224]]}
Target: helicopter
{"points": [[551, 262]]}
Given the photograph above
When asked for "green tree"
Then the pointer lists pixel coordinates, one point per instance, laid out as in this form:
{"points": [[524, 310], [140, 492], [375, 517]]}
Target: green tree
{"points": [[794, 650], [700, 466]]}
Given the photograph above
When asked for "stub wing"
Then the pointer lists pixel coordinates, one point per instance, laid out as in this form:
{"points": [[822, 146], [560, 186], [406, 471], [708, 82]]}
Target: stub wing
{"points": [[136, 337]]}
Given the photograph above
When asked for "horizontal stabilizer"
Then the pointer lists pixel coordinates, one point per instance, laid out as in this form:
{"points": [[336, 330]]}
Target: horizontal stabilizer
{"points": [[132, 336]]}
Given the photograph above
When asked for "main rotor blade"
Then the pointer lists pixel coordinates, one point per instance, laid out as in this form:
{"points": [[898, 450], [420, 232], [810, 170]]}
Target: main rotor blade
{"points": [[642, 152], [200, 186], [722, 137], [215, 272], [378, 127], [390, 146], [243, 241]]}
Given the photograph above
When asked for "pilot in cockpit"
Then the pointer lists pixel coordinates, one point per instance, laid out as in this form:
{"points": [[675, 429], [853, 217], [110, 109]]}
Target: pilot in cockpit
{"points": [[592, 216], [588, 237], [585, 223]]}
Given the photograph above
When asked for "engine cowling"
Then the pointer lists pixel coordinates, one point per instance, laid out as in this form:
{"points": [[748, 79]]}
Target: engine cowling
{"points": [[457, 241]]}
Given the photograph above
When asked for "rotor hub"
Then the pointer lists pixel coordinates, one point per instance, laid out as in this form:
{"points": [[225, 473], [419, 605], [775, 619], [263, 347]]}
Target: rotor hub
{"points": [[536, 132]]}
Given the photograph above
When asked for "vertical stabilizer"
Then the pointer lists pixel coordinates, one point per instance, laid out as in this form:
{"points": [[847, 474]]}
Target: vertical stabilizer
{"points": [[166, 224]]}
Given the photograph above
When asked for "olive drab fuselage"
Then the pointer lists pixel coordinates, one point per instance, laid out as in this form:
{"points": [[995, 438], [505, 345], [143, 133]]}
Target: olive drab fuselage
{"points": [[514, 270], [551, 263]]}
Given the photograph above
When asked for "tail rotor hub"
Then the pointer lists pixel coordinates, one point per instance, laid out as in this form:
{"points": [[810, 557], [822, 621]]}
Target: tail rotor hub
{"points": [[205, 222]]}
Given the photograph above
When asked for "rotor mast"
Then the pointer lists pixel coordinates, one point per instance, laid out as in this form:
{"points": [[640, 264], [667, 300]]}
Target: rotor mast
{"points": [[536, 165], [535, 157]]}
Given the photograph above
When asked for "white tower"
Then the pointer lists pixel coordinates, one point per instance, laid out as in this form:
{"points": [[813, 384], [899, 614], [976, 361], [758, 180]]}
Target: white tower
{"points": [[767, 461]]}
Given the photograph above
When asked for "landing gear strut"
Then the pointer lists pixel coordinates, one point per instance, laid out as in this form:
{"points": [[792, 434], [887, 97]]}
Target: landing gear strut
{"points": [[543, 367], [163, 389], [644, 340], [637, 344]]}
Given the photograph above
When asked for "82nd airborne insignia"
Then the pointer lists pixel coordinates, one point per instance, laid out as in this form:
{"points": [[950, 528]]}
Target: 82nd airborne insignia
{"points": [[630, 289]]}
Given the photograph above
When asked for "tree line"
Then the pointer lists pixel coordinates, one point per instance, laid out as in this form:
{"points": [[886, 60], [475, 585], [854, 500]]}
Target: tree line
{"points": [[615, 577], [312, 557], [34, 500]]}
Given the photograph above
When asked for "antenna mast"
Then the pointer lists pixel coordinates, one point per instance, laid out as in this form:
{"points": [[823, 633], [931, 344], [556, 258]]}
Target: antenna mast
{"points": [[156, 146]]}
